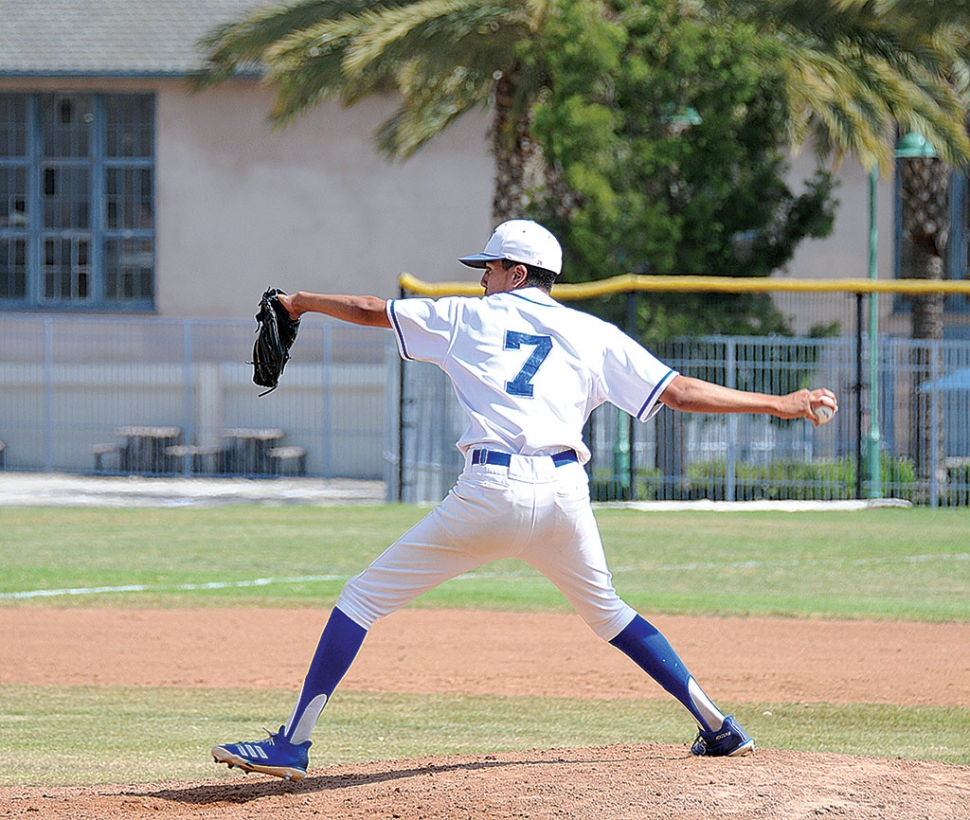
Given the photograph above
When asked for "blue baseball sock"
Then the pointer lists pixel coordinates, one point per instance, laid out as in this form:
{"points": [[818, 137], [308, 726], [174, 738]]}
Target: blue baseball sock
{"points": [[338, 646], [651, 651]]}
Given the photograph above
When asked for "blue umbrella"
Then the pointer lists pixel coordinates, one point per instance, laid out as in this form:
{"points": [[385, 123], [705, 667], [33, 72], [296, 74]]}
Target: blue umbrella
{"points": [[958, 380]]}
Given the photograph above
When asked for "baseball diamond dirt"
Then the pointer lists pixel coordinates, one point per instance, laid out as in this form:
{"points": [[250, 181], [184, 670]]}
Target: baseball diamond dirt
{"points": [[544, 654]]}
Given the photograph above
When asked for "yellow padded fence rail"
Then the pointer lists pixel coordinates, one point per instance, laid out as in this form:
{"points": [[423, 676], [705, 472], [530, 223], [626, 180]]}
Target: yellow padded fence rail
{"points": [[699, 284]]}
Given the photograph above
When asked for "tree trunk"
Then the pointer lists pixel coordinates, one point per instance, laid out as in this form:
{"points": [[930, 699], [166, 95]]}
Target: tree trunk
{"points": [[518, 159], [927, 324], [925, 213]]}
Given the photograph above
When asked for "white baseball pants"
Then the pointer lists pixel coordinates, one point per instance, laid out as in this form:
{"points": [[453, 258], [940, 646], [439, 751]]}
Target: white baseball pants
{"points": [[531, 510]]}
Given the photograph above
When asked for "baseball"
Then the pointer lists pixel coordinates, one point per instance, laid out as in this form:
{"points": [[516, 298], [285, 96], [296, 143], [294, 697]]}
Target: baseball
{"points": [[824, 413]]}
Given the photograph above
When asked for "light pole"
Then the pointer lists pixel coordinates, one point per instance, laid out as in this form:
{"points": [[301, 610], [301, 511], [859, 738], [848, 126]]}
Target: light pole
{"points": [[912, 146], [875, 468]]}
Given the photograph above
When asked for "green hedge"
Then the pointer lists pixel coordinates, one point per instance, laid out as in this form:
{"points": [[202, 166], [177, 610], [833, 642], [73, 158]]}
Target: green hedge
{"points": [[779, 480]]}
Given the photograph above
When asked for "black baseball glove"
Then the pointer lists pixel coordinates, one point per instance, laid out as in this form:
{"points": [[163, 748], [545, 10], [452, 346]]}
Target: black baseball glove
{"points": [[276, 332]]}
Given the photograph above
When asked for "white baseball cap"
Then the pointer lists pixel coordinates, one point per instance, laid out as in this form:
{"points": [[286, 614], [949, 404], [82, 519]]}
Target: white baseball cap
{"points": [[520, 240]]}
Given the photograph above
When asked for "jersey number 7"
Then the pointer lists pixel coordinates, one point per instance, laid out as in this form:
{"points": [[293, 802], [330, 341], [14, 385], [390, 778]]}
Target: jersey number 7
{"points": [[521, 385]]}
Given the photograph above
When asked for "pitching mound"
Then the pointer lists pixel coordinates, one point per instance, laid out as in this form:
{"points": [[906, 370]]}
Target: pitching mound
{"points": [[615, 782]]}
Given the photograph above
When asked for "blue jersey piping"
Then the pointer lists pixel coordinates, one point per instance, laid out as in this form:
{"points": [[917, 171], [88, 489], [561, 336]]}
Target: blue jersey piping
{"points": [[397, 330], [656, 391]]}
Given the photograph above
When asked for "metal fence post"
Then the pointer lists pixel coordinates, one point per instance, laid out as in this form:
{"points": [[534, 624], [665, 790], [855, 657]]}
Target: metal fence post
{"points": [[935, 377], [327, 420], [731, 380], [859, 383], [188, 403], [875, 468], [401, 384], [48, 394]]}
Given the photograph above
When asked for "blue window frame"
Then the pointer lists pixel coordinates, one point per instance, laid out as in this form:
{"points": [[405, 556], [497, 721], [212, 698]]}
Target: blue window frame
{"points": [[77, 201]]}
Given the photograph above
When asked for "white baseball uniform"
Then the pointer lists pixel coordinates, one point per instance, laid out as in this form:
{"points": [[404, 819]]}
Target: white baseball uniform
{"points": [[528, 372]]}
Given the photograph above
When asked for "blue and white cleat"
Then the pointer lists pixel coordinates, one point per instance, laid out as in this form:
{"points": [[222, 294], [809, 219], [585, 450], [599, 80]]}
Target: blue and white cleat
{"points": [[728, 741], [275, 756]]}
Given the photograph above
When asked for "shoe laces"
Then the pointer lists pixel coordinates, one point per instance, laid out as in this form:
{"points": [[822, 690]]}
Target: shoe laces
{"points": [[274, 736]]}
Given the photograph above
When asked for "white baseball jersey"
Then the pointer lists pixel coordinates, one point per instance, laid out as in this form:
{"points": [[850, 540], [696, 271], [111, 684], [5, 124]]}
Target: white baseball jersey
{"points": [[527, 370]]}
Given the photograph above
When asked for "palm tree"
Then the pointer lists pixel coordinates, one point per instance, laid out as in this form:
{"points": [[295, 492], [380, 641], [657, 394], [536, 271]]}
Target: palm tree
{"points": [[444, 57], [925, 183]]}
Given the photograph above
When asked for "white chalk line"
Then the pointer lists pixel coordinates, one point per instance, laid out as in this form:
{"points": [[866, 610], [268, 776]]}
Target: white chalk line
{"points": [[254, 582], [469, 576]]}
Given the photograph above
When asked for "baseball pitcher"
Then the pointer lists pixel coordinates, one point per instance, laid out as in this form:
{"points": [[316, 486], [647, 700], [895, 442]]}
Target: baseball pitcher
{"points": [[527, 372]]}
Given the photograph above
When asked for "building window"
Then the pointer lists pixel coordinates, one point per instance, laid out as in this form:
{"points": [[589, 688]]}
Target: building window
{"points": [[77, 201]]}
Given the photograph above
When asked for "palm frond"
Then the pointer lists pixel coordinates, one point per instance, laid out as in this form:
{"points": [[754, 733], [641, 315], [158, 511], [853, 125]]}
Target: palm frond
{"points": [[452, 49], [241, 46], [428, 109], [424, 25], [857, 69], [307, 66]]}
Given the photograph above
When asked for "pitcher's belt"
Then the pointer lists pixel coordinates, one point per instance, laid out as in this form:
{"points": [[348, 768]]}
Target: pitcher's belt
{"points": [[500, 459]]}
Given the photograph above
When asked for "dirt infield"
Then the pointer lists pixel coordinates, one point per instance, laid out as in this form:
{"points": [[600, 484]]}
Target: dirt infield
{"points": [[515, 654]]}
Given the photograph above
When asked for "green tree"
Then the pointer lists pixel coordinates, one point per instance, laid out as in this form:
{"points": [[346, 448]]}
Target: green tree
{"points": [[444, 58], [857, 73], [667, 131], [848, 74]]}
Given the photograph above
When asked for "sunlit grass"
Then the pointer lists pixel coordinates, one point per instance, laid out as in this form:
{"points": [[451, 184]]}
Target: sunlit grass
{"points": [[892, 563], [54, 735]]}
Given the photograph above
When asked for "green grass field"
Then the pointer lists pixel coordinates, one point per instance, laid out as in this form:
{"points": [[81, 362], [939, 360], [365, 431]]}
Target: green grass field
{"points": [[887, 563]]}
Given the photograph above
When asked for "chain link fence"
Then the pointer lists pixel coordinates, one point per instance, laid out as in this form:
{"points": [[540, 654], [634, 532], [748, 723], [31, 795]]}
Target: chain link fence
{"points": [[162, 396], [175, 397], [687, 456]]}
